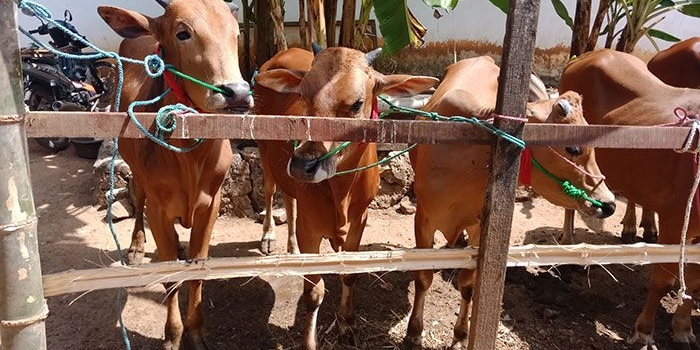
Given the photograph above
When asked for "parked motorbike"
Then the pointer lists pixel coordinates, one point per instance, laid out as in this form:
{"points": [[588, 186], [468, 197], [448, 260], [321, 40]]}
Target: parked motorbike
{"points": [[54, 83]]}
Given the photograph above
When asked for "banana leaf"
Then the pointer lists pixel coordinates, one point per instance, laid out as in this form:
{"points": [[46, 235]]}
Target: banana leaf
{"points": [[692, 9], [398, 25], [563, 13], [445, 4], [663, 35]]}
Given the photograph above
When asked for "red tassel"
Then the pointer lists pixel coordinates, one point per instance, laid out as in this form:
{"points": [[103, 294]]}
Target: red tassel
{"points": [[526, 167]]}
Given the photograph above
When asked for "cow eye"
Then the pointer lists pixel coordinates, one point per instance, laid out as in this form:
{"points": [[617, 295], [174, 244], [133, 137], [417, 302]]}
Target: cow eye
{"points": [[183, 35], [574, 151], [357, 106]]}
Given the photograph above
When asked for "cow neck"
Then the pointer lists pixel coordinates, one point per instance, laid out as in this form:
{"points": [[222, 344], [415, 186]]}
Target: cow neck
{"points": [[175, 88]]}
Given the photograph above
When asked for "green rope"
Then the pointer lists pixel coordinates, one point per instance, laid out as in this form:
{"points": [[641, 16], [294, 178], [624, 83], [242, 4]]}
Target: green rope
{"points": [[172, 69], [384, 160], [568, 189]]}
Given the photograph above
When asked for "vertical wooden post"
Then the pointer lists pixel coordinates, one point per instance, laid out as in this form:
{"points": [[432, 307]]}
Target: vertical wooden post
{"points": [[330, 10], [347, 24], [513, 82], [22, 305], [317, 21], [303, 28]]}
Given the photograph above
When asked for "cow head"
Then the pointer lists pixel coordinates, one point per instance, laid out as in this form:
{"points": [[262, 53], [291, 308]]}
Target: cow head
{"points": [[340, 84], [576, 165], [199, 38]]}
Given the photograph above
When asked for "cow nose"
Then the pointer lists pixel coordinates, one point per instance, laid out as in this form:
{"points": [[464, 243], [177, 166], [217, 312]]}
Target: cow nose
{"points": [[607, 209], [236, 90]]}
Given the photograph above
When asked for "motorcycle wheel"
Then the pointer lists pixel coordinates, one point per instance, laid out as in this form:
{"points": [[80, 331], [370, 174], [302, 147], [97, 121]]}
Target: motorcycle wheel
{"points": [[40, 98], [107, 74]]}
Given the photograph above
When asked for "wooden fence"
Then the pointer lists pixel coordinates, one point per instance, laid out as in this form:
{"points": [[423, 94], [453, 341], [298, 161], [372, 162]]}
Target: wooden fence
{"points": [[22, 322]]}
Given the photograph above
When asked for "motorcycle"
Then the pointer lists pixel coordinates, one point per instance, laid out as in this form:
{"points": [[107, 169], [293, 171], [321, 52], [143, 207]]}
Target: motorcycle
{"points": [[55, 83]]}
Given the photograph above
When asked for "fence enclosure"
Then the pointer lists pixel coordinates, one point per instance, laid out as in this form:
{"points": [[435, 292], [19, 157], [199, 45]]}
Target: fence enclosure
{"points": [[22, 307]]}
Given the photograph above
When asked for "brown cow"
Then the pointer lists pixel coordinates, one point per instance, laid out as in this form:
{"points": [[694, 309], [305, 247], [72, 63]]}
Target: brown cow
{"points": [[620, 90], [200, 39], [678, 66], [450, 180], [342, 84]]}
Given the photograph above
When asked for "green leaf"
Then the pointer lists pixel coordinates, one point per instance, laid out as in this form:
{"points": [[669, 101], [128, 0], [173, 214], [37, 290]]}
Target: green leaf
{"points": [[692, 10], [663, 35], [445, 4], [501, 4], [398, 25], [666, 3], [563, 13]]}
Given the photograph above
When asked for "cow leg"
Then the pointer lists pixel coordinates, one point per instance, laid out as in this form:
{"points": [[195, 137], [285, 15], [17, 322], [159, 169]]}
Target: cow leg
{"points": [[314, 288], [648, 223], [136, 250], [290, 205], [346, 311], [164, 235], [683, 335], [629, 224], [425, 235], [567, 236], [269, 237], [663, 277], [203, 225], [466, 289]]}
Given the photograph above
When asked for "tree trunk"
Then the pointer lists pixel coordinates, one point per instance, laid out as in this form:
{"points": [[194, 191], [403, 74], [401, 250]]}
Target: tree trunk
{"points": [[303, 28], [347, 24], [361, 33], [246, 39], [331, 13], [277, 15], [603, 8], [267, 15], [317, 22], [580, 31]]}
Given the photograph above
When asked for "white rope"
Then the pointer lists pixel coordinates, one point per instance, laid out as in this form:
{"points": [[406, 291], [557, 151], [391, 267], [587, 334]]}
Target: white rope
{"points": [[694, 127]]}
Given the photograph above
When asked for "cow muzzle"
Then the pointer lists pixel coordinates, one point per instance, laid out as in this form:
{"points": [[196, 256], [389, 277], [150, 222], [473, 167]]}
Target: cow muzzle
{"points": [[236, 98], [311, 170], [604, 211]]}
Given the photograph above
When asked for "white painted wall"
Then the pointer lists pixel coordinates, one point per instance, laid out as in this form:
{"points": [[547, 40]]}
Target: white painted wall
{"points": [[473, 19]]}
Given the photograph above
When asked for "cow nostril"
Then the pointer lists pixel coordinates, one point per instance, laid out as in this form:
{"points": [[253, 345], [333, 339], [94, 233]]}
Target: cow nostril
{"points": [[607, 209], [311, 166], [235, 90]]}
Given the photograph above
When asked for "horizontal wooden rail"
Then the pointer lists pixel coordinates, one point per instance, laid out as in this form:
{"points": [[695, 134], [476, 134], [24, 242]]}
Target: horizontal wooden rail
{"points": [[356, 262], [84, 124]]}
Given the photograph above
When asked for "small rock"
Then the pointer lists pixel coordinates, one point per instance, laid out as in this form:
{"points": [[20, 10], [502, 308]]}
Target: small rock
{"points": [[122, 209], [407, 207], [549, 313]]}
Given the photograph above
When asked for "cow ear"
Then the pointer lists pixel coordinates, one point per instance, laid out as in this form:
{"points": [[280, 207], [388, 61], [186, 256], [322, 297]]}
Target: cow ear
{"points": [[285, 81], [128, 24], [405, 85]]}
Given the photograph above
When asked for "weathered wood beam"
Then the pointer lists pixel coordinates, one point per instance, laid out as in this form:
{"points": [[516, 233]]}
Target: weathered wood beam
{"points": [[104, 125], [531, 256], [497, 217], [22, 305]]}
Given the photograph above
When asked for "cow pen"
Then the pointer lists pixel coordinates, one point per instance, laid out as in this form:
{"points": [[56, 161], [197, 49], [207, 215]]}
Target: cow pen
{"points": [[22, 307]]}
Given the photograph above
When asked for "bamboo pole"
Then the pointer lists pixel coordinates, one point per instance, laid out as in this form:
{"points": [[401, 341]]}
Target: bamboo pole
{"points": [[22, 305], [530, 256]]}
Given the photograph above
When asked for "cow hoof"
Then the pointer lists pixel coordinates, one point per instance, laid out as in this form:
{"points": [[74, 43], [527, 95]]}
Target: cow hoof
{"points": [[267, 246], [685, 341], [629, 237], [171, 345], [181, 252], [650, 236], [647, 339], [412, 343], [134, 257], [196, 343]]}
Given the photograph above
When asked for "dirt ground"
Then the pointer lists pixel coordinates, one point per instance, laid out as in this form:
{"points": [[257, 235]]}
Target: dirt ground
{"points": [[580, 308]]}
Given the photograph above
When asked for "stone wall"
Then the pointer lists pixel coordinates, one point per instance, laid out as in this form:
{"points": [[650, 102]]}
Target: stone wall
{"points": [[243, 188]]}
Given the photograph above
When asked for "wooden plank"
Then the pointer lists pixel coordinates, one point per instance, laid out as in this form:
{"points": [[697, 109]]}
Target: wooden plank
{"points": [[513, 81], [105, 125], [531, 256]]}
